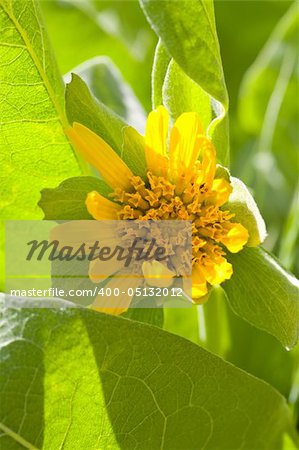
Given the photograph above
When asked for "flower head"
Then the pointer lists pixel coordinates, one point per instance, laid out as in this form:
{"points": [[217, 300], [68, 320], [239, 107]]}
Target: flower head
{"points": [[182, 182]]}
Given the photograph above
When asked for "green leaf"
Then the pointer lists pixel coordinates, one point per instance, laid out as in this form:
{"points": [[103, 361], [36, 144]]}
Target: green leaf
{"points": [[105, 28], [81, 106], [67, 201], [153, 316], [34, 152], [108, 86], [126, 384], [264, 294], [133, 153], [216, 339], [182, 94], [189, 35], [161, 61], [183, 322], [250, 347], [242, 204]]}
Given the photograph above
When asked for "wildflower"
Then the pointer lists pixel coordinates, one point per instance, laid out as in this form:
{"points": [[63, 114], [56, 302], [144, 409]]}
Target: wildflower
{"points": [[182, 182]]}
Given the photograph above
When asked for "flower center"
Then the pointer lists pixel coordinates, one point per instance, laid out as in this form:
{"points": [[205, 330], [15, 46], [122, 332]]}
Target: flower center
{"points": [[159, 199]]}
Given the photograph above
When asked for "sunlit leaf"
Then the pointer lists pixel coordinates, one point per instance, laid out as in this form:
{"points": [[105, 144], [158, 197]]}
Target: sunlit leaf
{"points": [[34, 152], [81, 30], [105, 381]]}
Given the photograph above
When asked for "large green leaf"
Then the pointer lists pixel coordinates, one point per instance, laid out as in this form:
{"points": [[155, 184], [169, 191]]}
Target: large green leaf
{"points": [[189, 35], [80, 377], [264, 294], [34, 152], [80, 30]]}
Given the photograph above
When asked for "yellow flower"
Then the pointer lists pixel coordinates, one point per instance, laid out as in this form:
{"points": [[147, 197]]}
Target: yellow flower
{"points": [[181, 183]]}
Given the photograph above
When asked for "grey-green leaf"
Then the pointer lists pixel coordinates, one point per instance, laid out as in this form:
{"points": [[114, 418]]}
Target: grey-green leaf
{"points": [[264, 294], [77, 376], [67, 201]]}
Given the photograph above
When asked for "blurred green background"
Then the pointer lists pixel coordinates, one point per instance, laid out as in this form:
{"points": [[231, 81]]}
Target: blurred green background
{"points": [[259, 46]]}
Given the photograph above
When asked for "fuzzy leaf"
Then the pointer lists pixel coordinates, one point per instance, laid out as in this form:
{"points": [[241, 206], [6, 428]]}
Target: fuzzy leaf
{"points": [[242, 204]]}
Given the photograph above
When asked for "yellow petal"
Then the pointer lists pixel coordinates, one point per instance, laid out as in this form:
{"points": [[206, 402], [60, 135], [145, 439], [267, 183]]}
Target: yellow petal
{"points": [[157, 164], [100, 207], [199, 284], [116, 304], [217, 272], [208, 164], [156, 130], [156, 274], [100, 155], [100, 270], [221, 190], [185, 141], [236, 237]]}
